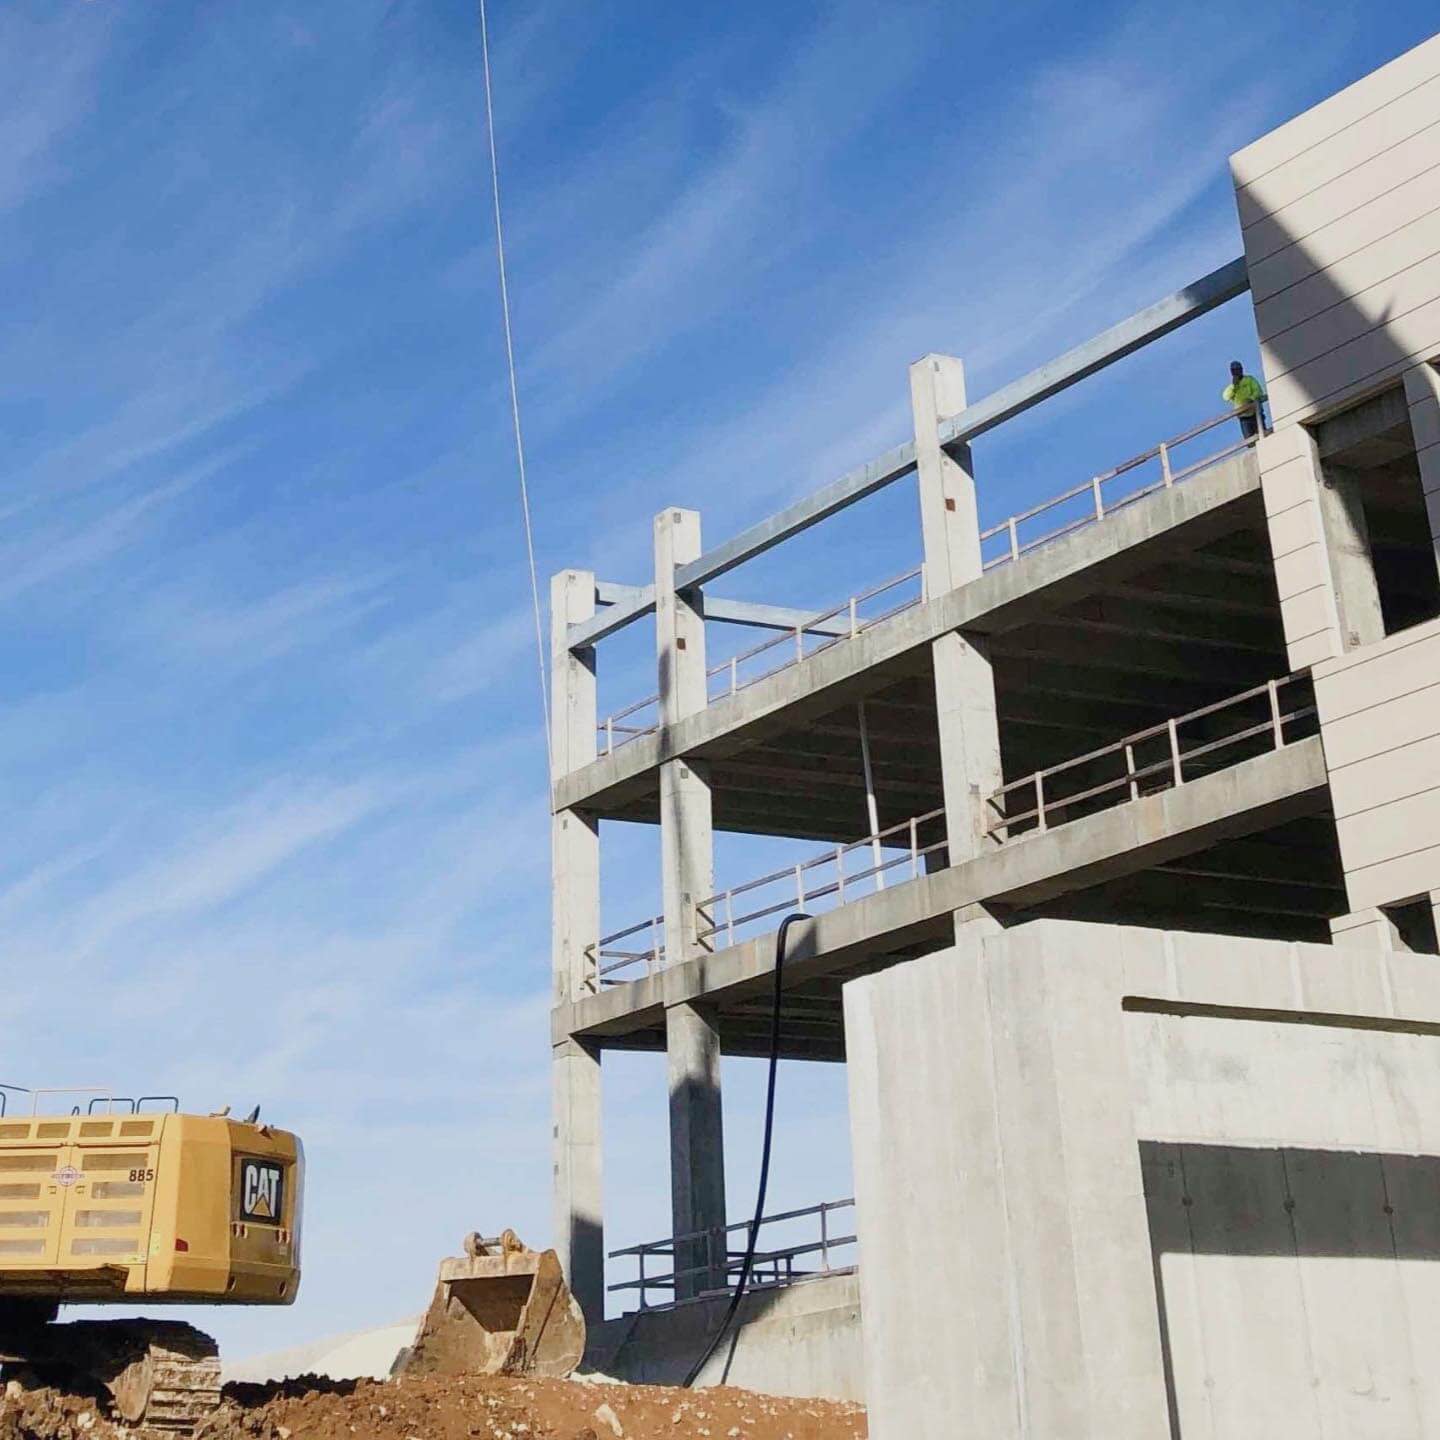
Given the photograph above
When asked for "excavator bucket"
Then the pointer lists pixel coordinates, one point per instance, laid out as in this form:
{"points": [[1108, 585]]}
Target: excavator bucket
{"points": [[499, 1309]]}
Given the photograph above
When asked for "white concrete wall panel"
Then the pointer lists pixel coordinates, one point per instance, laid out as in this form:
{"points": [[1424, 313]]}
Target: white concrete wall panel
{"points": [[1351, 234], [1347, 196], [1258, 1190], [1381, 131], [1338, 112], [1380, 725], [1390, 263], [1289, 484], [1340, 211]]}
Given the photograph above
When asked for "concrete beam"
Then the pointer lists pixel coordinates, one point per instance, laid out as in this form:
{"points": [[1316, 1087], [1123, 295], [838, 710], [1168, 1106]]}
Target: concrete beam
{"points": [[1243, 800], [1210, 291], [1074, 365], [727, 612]]}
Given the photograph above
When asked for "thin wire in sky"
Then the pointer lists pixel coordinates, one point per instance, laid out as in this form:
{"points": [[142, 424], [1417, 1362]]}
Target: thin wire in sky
{"points": [[515, 393]]}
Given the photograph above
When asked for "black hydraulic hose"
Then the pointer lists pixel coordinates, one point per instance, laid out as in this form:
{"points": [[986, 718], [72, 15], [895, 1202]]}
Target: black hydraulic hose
{"points": [[749, 1261]]}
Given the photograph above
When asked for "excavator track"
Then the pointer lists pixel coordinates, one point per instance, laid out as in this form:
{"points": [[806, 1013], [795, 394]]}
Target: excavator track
{"points": [[162, 1376]]}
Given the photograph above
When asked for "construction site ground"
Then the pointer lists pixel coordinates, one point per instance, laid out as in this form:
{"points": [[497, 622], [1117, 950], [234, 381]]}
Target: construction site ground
{"points": [[446, 1408]]}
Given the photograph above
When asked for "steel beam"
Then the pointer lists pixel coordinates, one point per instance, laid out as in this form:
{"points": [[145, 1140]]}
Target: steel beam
{"points": [[726, 612]]}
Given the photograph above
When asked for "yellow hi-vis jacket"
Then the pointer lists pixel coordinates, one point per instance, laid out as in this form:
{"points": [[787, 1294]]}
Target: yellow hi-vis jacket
{"points": [[1247, 390]]}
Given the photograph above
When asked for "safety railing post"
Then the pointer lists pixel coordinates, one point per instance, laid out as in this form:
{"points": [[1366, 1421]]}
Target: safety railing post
{"points": [[1040, 800], [824, 1239], [1099, 503], [1175, 752], [734, 674], [840, 873], [1274, 691], [799, 887], [854, 619], [914, 848], [642, 1277], [1130, 772], [1165, 473], [730, 916], [609, 735], [1014, 538], [799, 644]]}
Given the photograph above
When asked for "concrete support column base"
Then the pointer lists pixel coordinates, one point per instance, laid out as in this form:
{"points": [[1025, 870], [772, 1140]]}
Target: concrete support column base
{"points": [[697, 1146], [577, 1193]]}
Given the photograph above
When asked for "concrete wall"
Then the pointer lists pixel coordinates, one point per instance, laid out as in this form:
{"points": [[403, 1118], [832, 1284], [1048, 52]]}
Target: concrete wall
{"points": [[1340, 210], [803, 1341], [1124, 1183], [1380, 726]]}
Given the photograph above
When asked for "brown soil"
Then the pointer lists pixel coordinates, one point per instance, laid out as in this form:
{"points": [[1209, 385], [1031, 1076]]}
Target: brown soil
{"points": [[473, 1408]]}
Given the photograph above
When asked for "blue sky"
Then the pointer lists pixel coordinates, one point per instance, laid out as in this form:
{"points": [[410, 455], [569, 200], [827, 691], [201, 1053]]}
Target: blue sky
{"points": [[269, 736]]}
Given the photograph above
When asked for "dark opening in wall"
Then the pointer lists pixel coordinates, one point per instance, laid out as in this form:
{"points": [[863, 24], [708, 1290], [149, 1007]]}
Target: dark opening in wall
{"points": [[1414, 921], [1367, 459]]}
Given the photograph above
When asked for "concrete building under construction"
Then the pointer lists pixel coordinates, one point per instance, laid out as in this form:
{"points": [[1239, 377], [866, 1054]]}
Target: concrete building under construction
{"points": [[1129, 971]]}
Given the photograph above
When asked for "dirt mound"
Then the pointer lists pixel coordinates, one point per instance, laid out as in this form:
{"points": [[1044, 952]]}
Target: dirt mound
{"points": [[474, 1408]]}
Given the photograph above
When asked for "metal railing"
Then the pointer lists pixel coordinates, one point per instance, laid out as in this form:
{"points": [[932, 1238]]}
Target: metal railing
{"points": [[652, 957], [816, 633], [715, 915], [1088, 503], [710, 1257], [1157, 758]]}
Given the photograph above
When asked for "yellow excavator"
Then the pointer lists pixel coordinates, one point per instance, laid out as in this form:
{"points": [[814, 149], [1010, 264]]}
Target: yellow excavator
{"points": [[125, 1204], [134, 1203]]}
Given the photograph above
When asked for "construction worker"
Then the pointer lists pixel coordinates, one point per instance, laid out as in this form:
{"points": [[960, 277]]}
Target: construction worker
{"points": [[1247, 395]]}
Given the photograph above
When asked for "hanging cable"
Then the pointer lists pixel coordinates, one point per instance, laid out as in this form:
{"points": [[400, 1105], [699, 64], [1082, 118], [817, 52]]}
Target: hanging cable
{"points": [[765, 1146], [515, 394]]}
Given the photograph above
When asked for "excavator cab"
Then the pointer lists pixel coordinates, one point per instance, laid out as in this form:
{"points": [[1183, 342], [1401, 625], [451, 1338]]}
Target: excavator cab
{"points": [[499, 1309]]}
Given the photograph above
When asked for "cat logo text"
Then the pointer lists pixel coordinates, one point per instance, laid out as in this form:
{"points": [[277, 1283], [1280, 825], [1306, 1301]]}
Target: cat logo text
{"points": [[261, 1190]]}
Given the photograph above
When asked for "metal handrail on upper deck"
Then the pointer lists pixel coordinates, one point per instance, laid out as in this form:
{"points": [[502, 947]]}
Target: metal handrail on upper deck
{"points": [[1141, 777], [1093, 490]]}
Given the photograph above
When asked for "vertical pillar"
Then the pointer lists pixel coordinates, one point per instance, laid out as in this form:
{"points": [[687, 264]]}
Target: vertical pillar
{"points": [[575, 836], [575, 927], [1422, 394], [697, 1149], [577, 1193], [692, 1038], [964, 678], [1352, 563]]}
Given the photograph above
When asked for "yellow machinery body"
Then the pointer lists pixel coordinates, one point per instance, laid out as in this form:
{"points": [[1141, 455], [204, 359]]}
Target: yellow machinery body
{"points": [[159, 1208]]}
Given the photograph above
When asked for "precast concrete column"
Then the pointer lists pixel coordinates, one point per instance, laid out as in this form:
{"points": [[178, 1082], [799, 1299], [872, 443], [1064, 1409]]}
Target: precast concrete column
{"points": [[575, 835], [575, 928], [697, 1149], [964, 678], [577, 1185], [697, 1155], [1422, 394], [1352, 563]]}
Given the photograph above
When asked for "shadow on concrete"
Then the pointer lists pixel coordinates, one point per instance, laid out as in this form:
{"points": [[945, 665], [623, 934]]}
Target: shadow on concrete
{"points": [[1281, 1203]]}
